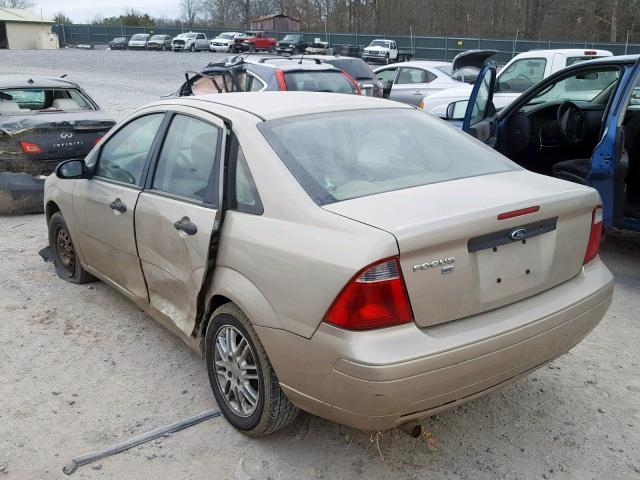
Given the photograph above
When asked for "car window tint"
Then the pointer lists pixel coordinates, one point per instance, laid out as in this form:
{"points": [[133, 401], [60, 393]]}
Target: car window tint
{"points": [[582, 86], [387, 76], [253, 84], [413, 75], [521, 75], [246, 194], [375, 151], [319, 81], [482, 100], [123, 156], [187, 157]]}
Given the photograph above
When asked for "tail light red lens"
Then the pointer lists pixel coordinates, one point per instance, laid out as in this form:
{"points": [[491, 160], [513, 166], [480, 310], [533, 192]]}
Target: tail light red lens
{"points": [[375, 297], [30, 147], [595, 236], [282, 83], [97, 140], [355, 84]]}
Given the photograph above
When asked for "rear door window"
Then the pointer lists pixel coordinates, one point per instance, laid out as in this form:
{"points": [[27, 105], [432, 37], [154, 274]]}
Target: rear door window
{"points": [[187, 157], [414, 75]]}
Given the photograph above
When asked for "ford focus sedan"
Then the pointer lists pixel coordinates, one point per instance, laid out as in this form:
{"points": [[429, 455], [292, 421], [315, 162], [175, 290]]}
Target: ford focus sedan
{"points": [[395, 271]]}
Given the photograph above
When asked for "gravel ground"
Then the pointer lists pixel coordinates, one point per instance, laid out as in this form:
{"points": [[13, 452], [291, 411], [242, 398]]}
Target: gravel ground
{"points": [[81, 368]]}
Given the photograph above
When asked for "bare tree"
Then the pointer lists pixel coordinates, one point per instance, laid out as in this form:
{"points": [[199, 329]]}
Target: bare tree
{"points": [[190, 10], [17, 3]]}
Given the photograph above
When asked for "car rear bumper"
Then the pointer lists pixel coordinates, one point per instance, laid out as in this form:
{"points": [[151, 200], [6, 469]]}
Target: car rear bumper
{"points": [[383, 378]]}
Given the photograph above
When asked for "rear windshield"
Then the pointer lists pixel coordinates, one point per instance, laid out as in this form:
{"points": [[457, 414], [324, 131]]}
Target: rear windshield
{"points": [[319, 81], [341, 155], [356, 69], [140, 36], [574, 60], [42, 100]]}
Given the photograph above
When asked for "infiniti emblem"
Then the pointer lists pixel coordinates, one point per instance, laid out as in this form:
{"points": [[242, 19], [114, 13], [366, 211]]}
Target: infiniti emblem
{"points": [[518, 234], [66, 135]]}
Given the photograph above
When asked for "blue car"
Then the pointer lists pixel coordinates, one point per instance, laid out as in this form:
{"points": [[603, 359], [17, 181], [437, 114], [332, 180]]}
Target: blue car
{"points": [[581, 124]]}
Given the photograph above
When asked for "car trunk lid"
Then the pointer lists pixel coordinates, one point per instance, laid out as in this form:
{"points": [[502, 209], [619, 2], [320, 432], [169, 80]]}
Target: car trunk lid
{"points": [[458, 259], [58, 136]]}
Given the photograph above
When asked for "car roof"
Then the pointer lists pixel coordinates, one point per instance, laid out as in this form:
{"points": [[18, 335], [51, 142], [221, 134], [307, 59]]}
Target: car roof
{"points": [[419, 63], [273, 105], [568, 52], [290, 64], [34, 81]]}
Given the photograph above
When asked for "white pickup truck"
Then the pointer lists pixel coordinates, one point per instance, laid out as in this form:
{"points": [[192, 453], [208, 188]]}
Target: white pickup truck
{"points": [[191, 42], [385, 51], [521, 73]]}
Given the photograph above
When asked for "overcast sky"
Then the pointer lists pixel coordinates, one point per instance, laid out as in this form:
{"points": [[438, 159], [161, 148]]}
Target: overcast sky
{"points": [[81, 11]]}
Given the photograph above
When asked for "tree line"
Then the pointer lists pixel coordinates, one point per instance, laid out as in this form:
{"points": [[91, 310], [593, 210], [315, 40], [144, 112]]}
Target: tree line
{"points": [[579, 20]]}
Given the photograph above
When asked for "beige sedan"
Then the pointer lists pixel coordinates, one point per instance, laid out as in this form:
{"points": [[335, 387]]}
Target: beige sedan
{"points": [[352, 257]]}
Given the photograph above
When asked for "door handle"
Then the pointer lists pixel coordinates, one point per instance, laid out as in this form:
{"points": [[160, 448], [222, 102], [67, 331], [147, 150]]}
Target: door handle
{"points": [[187, 226], [118, 206]]}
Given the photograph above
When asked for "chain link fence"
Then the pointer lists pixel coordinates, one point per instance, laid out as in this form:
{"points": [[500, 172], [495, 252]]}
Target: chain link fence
{"points": [[426, 48]]}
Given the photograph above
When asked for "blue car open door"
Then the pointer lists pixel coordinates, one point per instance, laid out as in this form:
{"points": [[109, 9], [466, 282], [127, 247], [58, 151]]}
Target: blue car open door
{"points": [[480, 115]]}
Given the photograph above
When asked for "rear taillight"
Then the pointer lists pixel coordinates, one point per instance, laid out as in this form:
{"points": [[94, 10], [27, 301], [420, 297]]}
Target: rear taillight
{"points": [[355, 84], [595, 235], [97, 140], [30, 147], [375, 297], [282, 84]]}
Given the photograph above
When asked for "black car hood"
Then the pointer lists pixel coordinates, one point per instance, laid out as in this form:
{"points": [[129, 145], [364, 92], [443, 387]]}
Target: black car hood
{"points": [[471, 58]]}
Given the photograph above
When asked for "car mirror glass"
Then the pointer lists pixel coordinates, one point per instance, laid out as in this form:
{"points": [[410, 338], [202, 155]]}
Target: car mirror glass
{"points": [[457, 110], [71, 169]]}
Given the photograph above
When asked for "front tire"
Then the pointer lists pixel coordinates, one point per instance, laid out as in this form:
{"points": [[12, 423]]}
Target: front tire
{"points": [[65, 257], [192, 49], [241, 376], [386, 59]]}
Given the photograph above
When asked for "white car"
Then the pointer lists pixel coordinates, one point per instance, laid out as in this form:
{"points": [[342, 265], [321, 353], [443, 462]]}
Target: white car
{"points": [[410, 82], [224, 41], [521, 73], [139, 41]]}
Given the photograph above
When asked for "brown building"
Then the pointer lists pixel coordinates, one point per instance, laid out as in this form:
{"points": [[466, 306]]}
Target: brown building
{"points": [[276, 23]]}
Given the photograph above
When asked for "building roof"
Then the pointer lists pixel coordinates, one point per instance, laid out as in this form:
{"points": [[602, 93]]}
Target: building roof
{"points": [[21, 15], [277, 15]]}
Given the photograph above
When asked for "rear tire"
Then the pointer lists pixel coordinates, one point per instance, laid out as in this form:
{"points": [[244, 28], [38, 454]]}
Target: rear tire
{"points": [[271, 411], [252, 47], [65, 257]]}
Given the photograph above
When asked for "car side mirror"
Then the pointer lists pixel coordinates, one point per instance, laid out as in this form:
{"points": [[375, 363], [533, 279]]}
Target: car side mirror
{"points": [[457, 110], [71, 169]]}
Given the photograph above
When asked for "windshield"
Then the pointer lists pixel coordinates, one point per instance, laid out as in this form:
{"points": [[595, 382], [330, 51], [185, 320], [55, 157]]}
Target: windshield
{"points": [[226, 36], [380, 43], [375, 151], [292, 38], [139, 36], [119, 39], [157, 37], [521, 75], [319, 81], [583, 86], [187, 35], [43, 100]]}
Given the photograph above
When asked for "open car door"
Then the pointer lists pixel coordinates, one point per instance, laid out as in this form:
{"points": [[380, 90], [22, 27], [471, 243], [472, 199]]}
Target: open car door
{"points": [[480, 114]]}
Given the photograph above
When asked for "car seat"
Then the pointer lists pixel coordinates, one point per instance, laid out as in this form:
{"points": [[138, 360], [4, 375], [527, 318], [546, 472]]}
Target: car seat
{"points": [[65, 104], [7, 106]]}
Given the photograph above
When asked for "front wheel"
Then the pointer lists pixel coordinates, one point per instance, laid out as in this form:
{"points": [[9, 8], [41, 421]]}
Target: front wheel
{"points": [[192, 48], [65, 257], [241, 376], [386, 59]]}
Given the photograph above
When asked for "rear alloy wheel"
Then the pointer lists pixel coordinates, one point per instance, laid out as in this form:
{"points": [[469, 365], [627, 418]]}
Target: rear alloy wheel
{"points": [[241, 376], [65, 258]]}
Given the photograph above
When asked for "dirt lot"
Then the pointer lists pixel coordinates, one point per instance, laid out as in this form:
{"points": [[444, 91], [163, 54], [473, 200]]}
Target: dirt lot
{"points": [[81, 367]]}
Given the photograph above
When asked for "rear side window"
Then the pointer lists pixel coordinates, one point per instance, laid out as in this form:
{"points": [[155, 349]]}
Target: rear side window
{"points": [[47, 99], [319, 81], [123, 156], [246, 197], [187, 157], [414, 75], [375, 151]]}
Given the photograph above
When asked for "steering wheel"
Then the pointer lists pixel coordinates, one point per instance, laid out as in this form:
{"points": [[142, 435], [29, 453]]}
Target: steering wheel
{"points": [[522, 76], [571, 122]]}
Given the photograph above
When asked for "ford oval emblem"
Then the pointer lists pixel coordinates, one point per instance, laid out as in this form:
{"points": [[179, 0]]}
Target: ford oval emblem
{"points": [[518, 234]]}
